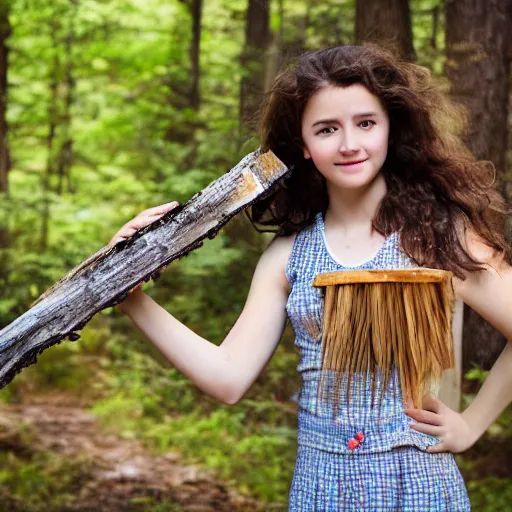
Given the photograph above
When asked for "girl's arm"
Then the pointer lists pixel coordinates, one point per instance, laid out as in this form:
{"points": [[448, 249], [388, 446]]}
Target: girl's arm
{"points": [[227, 371], [489, 293]]}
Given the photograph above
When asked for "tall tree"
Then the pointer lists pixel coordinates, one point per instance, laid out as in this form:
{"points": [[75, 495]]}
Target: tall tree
{"points": [[186, 96], [387, 22], [196, 10], [5, 32], [53, 114], [253, 58], [65, 157], [478, 39]]}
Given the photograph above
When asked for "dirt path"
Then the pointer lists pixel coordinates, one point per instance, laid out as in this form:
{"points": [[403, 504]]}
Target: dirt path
{"points": [[122, 472]]}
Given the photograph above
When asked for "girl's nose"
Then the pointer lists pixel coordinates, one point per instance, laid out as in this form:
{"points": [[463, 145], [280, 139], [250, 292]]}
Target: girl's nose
{"points": [[348, 144]]}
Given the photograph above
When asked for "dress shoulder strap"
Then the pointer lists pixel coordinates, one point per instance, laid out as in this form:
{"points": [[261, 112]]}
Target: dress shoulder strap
{"points": [[305, 247]]}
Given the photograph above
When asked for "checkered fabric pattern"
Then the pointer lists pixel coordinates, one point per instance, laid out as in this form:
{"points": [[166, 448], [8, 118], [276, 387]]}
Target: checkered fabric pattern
{"points": [[404, 479], [388, 469]]}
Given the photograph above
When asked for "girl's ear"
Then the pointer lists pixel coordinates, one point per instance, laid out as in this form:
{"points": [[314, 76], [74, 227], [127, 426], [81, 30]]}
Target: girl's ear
{"points": [[307, 154]]}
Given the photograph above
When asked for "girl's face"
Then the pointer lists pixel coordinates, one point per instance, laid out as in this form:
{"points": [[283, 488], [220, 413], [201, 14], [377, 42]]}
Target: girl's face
{"points": [[345, 132]]}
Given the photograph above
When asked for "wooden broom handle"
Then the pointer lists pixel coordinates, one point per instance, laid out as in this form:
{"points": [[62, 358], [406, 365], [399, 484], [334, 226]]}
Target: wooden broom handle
{"points": [[421, 275]]}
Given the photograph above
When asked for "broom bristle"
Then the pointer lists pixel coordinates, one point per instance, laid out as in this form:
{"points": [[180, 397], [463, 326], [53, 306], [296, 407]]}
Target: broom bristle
{"points": [[372, 327]]}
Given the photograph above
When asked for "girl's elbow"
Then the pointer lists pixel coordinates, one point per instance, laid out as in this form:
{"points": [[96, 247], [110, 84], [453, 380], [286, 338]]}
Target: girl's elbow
{"points": [[231, 395], [231, 398]]}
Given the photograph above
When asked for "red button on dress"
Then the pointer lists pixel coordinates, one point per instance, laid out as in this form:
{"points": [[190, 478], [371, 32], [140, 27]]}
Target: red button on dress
{"points": [[353, 444], [356, 441]]}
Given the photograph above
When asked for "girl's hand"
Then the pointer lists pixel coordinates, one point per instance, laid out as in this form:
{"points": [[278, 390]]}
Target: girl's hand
{"points": [[438, 420], [142, 219]]}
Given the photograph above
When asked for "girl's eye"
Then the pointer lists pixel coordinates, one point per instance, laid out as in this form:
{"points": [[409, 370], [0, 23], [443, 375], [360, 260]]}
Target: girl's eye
{"points": [[367, 123], [329, 129]]}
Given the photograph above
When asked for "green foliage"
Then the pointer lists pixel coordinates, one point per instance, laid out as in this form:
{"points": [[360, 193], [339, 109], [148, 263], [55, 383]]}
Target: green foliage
{"points": [[136, 143], [491, 494], [428, 33], [257, 458], [476, 374], [252, 445], [40, 481]]}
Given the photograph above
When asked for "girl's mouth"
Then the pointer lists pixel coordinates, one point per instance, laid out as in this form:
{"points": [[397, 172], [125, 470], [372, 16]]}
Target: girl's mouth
{"points": [[355, 162]]}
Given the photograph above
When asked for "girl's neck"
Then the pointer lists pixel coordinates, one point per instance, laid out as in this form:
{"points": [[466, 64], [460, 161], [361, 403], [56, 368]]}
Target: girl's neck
{"points": [[351, 211]]}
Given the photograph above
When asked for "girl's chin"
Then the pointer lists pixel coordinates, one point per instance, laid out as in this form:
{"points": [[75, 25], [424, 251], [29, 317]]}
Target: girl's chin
{"points": [[352, 182]]}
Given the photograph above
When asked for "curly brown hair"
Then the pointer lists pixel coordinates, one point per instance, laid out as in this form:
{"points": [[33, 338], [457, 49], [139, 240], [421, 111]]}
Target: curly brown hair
{"points": [[436, 189]]}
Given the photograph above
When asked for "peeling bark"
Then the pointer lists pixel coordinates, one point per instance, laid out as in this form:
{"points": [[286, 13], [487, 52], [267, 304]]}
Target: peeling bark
{"points": [[104, 279]]}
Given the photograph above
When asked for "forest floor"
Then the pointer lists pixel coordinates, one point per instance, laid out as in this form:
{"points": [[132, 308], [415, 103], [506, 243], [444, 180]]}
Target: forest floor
{"points": [[54, 455], [116, 474]]}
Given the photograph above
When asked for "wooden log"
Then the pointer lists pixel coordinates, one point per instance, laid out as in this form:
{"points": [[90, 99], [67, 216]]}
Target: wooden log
{"points": [[105, 278]]}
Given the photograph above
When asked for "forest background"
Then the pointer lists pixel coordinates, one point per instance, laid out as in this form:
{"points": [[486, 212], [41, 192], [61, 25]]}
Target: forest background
{"points": [[108, 107]]}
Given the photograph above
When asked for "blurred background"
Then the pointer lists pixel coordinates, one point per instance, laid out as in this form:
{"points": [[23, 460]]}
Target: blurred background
{"points": [[108, 107]]}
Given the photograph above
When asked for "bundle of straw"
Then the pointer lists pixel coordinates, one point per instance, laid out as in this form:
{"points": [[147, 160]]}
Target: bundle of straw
{"points": [[376, 320]]}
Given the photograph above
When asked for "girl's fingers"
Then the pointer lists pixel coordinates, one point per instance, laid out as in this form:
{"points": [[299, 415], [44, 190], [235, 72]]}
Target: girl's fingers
{"points": [[438, 448], [127, 232], [432, 403], [149, 216], [135, 288], [424, 416], [122, 234], [142, 220], [161, 209], [425, 428]]}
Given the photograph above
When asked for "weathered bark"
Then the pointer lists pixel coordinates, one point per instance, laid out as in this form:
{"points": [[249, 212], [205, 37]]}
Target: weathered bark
{"points": [[387, 22], [478, 37], [253, 58], [105, 278]]}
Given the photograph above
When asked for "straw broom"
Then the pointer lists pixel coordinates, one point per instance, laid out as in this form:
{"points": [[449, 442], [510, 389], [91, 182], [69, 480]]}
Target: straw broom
{"points": [[375, 320]]}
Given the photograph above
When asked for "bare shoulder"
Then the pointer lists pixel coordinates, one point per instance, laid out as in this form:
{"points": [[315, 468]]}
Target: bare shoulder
{"points": [[480, 250], [495, 269], [275, 258]]}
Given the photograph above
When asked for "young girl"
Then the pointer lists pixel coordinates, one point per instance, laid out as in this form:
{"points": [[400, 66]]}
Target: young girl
{"points": [[379, 181]]}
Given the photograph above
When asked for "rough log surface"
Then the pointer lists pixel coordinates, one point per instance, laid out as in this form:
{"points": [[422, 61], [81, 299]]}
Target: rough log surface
{"points": [[105, 278]]}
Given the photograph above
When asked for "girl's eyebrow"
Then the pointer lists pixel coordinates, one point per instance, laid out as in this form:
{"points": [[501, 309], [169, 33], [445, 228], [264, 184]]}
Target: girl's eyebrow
{"points": [[366, 114], [330, 121]]}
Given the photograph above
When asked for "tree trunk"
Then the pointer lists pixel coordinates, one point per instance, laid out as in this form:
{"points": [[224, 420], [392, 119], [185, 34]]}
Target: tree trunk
{"points": [[387, 22], [65, 158], [5, 32], [274, 50], [182, 129], [105, 278], [253, 58], [478, 38], [196, 10], [53, 113]]}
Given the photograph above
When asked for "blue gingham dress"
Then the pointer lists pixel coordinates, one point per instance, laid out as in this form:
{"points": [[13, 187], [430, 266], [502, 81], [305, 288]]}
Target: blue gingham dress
{"points": [[390, 469]]}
